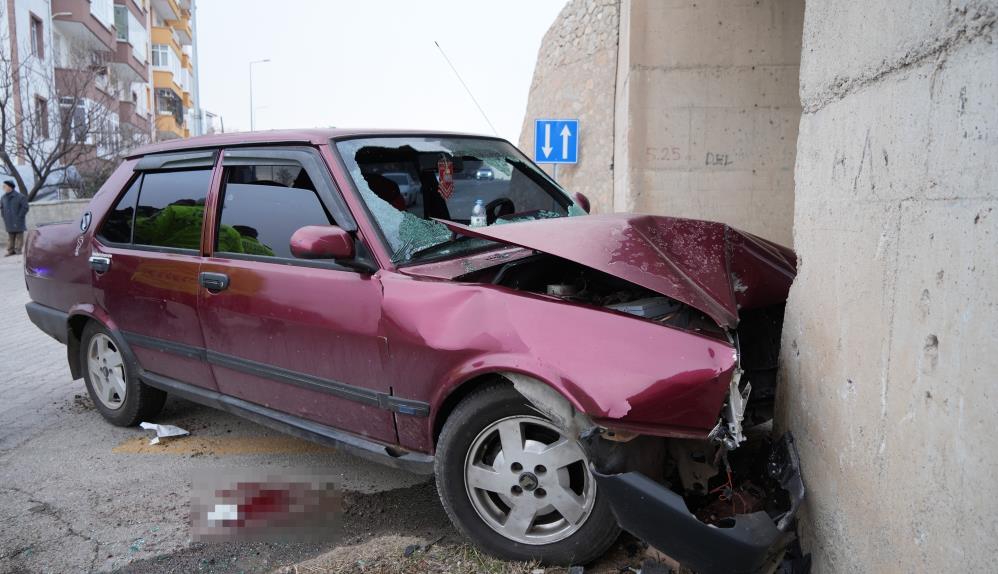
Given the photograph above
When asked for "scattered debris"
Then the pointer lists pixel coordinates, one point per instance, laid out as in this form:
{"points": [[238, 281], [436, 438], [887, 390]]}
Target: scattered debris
{"points": [[163, 431], [576, 570]]}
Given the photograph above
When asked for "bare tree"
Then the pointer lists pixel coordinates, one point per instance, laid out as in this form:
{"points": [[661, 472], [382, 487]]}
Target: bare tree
{"points": [[67, 119]]}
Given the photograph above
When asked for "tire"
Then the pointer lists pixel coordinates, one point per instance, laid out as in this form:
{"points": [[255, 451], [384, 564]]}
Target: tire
{"points": [[487, 508], [108, 375]]}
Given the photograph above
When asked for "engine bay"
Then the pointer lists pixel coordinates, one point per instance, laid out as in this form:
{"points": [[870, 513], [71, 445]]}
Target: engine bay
{"points": [[556, 277]]}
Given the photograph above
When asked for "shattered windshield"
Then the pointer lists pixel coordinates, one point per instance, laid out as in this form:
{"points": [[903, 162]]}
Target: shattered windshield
{"points": [[407, 182]]}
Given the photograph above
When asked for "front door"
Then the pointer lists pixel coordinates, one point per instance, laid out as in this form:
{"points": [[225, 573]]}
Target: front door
{"points": [[149, 252], [298, 336]]}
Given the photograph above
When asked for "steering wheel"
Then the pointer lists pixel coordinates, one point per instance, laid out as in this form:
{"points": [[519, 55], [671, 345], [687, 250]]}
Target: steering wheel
{"points": [[497, 208]]}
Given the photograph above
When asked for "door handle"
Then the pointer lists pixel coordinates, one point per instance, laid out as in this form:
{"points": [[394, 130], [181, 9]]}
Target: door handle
{"points": [[214, 282], [100, 263]]}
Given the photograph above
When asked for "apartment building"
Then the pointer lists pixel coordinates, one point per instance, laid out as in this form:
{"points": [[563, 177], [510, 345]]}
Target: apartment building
{"points": [[174, 72], [136, 57]]}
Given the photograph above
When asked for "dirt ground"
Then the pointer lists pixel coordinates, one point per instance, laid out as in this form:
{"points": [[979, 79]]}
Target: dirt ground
{"points": [[396, 531]]}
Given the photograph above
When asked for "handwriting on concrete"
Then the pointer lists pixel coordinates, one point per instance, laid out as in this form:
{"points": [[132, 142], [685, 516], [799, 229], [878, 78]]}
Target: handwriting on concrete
{"points": [[664, 153], [718, 159]]}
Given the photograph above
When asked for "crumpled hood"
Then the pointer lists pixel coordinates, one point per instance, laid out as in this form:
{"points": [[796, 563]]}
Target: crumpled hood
{"points": [[709, 266]]}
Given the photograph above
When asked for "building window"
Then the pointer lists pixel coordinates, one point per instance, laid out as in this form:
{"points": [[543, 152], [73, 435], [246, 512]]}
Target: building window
{"points": [[42, 116], [37, 37], [160, 55], [121, 22], [75, 117], [103, 10]]}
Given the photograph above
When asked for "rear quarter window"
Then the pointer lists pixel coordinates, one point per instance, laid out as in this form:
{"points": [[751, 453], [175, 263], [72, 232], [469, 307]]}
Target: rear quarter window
{"points": [[117, 227]]}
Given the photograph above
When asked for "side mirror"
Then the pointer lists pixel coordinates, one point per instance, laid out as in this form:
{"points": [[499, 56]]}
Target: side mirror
{"points": [[322, 242], [582, 200]]}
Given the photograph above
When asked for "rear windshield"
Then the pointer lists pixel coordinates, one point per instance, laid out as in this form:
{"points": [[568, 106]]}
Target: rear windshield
{"points": [[407, 182]]}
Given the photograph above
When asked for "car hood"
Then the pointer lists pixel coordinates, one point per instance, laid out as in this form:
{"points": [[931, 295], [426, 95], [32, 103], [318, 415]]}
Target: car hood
{"points": [[709, 266]]}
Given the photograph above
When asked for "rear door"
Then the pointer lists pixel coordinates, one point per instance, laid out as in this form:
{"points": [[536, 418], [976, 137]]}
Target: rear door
{"points": [[298, 336], [146, 257]]}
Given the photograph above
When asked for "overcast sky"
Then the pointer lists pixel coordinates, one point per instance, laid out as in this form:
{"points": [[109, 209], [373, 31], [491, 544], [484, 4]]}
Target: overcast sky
{"points": [[371, 63]]}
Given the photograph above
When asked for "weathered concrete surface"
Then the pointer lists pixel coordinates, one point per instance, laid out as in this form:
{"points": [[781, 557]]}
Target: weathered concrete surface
{"points": [[889, 347], [574, 77], [686, 108], [707, 111]]}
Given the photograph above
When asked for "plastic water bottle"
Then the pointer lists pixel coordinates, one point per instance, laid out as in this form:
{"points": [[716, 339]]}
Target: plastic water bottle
{"points": [[478, 214]]}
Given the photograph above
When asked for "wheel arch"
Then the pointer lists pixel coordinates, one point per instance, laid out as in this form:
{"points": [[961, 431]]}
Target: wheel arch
{"points": [[550, 400], [79, 317]]}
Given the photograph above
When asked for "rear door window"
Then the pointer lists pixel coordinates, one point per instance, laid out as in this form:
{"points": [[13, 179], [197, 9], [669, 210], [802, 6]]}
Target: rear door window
{"points": [[170, 210], [263, 205]]}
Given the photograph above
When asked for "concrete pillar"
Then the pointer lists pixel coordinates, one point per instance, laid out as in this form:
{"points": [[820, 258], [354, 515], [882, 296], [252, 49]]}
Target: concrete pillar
{"points": [[889, 347], [707, 111]]}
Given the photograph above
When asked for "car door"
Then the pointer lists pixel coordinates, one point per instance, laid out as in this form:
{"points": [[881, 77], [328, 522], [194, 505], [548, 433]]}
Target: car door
{"points": [[146, 257], [298, 336]]}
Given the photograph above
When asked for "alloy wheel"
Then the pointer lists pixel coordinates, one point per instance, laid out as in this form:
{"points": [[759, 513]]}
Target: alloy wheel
{"points": [[107, 371], [528, 482]]}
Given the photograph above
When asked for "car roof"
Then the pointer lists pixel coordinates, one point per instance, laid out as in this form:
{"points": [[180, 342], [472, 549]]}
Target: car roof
{"points": [[301, 136]]}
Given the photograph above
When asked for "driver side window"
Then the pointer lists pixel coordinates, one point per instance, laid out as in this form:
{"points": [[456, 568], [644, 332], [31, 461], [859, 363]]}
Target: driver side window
{"points": [[262, 205]]}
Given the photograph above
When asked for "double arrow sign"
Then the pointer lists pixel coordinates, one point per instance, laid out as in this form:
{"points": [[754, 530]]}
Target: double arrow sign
{"points": [[565, 132], [564, 148]]}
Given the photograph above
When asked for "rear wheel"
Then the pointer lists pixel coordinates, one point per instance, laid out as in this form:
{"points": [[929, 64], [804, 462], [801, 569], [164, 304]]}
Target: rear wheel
{"points": [[516, 486], [114, 389]]}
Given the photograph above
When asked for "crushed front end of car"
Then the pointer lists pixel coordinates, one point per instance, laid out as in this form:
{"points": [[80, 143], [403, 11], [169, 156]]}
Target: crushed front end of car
{"points": [[720, 495]]}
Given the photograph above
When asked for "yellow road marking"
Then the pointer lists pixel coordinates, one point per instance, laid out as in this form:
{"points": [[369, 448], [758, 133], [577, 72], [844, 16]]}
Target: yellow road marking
{"points": [[221, 445]]}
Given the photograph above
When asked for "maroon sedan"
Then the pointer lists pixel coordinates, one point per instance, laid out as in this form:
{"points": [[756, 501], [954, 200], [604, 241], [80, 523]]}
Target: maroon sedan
{"points": [[564, 375]]}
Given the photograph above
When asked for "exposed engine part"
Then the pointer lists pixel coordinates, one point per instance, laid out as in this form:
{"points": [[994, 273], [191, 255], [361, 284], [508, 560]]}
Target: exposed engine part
{"points": [[729, 431], [696, 462], [562, 290], [649, 307]]}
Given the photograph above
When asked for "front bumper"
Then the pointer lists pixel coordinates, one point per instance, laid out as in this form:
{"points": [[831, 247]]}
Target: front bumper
{"points": [[746, 543]]}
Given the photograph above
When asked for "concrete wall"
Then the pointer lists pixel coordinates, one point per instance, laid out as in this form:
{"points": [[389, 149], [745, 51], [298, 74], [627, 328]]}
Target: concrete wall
{"points": [[574, 77], [42, 212], [889, 347], [707, 111]]}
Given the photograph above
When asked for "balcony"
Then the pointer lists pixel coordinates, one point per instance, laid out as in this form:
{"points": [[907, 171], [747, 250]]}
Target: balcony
{"points": [[167, 9], [82, 27], [127, 114], [127, 65], [182, 28], [165, 79], [164, 35], [168, 128]]}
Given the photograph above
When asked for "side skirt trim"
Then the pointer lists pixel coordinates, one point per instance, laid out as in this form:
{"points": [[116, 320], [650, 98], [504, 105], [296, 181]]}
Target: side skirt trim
{"points": [[303, 428]]}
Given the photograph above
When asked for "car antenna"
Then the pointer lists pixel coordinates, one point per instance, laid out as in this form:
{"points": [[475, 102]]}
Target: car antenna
{"points": [[442, 53]]}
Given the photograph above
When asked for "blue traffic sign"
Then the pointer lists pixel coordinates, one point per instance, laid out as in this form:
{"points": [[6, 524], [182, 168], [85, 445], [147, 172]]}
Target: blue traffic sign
{"points": [[556, 141]]}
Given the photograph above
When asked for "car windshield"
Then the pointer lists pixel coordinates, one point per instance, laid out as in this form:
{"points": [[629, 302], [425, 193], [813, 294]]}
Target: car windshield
{"points": [[408, 182]]}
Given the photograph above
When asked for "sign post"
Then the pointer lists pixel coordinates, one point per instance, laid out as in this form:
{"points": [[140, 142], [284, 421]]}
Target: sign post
{"points": [[556, 141]]}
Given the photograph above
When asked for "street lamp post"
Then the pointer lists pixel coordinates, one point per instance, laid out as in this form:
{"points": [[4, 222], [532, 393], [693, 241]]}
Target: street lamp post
{"points": [[252, 110]]}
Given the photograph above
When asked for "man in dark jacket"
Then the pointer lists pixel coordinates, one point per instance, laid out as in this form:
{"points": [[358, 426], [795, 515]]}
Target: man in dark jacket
{"points": [[14, 208]]}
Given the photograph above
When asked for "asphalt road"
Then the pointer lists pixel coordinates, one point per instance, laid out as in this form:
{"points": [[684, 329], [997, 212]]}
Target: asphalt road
{"points": [[80, 495]]}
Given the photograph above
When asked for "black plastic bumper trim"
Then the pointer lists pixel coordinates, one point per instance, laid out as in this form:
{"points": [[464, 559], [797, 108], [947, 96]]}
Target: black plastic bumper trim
{"points": [[660, 517], [53, 322]]}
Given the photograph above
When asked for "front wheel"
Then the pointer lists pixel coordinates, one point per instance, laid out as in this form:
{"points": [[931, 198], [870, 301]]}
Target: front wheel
{"points": [[516, 486]]}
